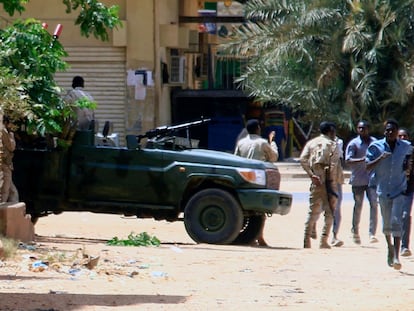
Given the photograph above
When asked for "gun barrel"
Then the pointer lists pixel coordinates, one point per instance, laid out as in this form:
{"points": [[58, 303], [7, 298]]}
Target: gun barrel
{"points": [[166, 130], [188, 124]]}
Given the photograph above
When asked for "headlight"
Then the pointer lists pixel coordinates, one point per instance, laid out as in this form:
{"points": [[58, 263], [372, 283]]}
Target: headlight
{"points": [[253, 176]]}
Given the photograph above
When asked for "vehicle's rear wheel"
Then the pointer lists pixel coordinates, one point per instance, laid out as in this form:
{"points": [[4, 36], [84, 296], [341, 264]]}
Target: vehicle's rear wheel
{"points": [[34, 217], [34, 220], [251, 229], [213, 216]]}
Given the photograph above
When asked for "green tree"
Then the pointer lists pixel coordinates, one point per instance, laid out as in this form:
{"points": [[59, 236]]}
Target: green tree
{"points": [[334, 60], [33, 56], [29, 59]]}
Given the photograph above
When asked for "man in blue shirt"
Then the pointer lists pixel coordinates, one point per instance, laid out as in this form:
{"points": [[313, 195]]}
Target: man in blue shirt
{"points": [[355, 158], [409, 195], [389, 159]]}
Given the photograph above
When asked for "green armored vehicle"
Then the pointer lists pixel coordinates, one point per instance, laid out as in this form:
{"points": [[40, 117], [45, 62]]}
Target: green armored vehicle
{"points": [[220, 197]]}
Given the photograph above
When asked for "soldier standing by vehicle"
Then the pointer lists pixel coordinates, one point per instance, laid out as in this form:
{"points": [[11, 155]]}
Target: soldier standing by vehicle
{"points": [[253, 146], [320, 159]]}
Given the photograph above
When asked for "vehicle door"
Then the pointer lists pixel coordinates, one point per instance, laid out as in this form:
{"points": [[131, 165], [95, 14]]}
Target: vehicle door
{"points": [[117, 174]]}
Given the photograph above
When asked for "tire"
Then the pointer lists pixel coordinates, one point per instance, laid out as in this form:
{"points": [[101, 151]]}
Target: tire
{"points": [[251, 229], [213, 216], [34, 220], [34, 217]]}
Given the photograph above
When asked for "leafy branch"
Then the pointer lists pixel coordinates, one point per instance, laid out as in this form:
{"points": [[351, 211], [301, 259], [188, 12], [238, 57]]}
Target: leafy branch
{"points": [[142, 239]]}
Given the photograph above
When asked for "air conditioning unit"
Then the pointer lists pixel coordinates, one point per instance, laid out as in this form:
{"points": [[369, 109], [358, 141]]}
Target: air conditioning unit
{"points": [[177, 69]]}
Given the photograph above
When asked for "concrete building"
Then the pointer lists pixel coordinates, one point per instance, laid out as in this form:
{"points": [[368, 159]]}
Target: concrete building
{"points": [[160, 48]]}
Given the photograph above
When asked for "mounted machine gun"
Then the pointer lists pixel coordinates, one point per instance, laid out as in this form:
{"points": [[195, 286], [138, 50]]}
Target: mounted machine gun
{"points": [[166, 137]]}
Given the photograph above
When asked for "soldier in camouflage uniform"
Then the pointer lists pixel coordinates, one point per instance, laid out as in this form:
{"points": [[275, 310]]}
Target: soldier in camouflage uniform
{"points": [[9, 191], [320, 159]]}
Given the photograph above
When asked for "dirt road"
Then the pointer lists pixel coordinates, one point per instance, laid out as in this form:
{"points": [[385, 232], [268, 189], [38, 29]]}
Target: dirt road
{"points": [[182, 275]]}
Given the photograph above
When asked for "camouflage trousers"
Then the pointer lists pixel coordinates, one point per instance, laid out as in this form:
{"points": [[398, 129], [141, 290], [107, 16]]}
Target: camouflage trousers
{"points": [[320, 202], [8, 189]]}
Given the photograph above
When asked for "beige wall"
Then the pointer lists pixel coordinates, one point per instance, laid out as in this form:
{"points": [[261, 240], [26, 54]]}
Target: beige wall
{"points": [[56, 8], [140, 55], [140, 33], [53, 12], [140, 36], [144, 51], [167, 14], [143, 21], [190, 8]]}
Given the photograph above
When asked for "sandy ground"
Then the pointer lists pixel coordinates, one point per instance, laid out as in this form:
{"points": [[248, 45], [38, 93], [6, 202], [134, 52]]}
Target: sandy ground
{"points": [[183, 275]]}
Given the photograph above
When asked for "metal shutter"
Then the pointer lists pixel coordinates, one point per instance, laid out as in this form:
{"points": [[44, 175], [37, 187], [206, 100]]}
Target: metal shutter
{"points": [[104, 71]]}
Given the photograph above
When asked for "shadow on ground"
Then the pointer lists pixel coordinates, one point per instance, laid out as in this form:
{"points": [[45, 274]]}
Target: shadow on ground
{"points": [[62, 301]]}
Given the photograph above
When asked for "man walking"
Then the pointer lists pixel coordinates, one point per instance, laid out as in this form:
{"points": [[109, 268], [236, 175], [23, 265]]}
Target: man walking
{"points": [[340, 180], [360, 177], [319, 159], [408, 202], [389, 158]]}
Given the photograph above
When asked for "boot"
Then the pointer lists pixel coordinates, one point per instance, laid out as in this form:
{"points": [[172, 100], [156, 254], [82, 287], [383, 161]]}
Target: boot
{"points": [[327, 227], [324, 243], [314, 235], [306, 242], [308, 234]]}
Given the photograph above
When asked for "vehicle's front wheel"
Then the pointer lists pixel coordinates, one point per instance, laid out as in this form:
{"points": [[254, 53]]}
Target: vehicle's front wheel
{"points": [[213, 216], [251, 229]]}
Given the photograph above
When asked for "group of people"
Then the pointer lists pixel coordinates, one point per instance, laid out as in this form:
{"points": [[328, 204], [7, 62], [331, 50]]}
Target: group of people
{"points": [[381, 169]]}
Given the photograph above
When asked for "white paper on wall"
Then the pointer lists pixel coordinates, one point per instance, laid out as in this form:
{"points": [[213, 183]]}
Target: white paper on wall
{"points": [[131, 80], [150, 81], [140, 90]]}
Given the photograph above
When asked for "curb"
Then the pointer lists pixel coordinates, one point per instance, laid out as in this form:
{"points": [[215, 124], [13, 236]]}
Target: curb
{"points": [[294, 170]]}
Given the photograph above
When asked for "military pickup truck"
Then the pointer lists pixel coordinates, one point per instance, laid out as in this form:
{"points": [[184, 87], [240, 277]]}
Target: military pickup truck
{"points": [[220, 197]]}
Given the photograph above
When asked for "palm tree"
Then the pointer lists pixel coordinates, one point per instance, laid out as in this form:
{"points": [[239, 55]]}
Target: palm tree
{"points": [[379, 43], [294, 55], [334, 60]]}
